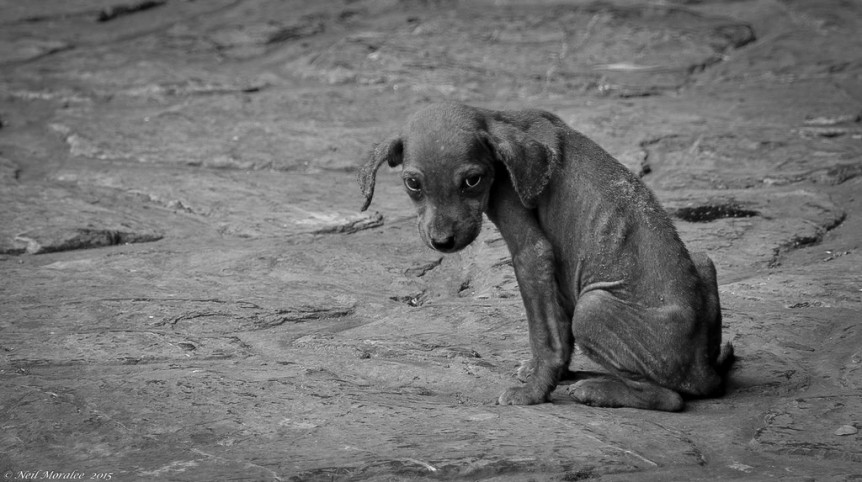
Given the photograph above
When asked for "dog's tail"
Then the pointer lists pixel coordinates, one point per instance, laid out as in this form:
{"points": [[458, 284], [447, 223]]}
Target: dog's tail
{"points": [[725, 359], [722, 366]]}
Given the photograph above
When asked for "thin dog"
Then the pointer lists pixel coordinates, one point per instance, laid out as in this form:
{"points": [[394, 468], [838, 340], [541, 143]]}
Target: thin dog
{"points": [[598, 261]]}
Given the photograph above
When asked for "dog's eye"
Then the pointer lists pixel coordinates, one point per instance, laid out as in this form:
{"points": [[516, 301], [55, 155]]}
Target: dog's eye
{"points": [[413, 184], [472, 181]]}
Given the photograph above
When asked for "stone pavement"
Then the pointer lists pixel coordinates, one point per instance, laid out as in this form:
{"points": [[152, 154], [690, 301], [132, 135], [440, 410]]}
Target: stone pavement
{"points": [[188, 291]]}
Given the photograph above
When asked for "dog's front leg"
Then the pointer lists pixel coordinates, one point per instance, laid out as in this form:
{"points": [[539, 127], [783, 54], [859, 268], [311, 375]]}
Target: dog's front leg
{"points": [[550, 329]]}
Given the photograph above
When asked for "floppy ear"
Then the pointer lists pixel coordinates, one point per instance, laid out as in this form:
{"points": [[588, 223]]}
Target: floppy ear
{"points": [[390, 151], [530, 163]]}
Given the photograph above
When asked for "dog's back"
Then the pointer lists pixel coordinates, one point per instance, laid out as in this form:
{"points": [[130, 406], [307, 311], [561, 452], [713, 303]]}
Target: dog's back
{"points": [[610, 232]]}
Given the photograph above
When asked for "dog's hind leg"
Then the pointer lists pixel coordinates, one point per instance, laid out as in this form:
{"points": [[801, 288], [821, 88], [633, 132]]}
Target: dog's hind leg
{"points": [[612, 392], [633, 344]]}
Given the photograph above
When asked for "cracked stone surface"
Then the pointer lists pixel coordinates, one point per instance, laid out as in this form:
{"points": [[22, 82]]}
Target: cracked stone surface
{"points": [[190, 293]]}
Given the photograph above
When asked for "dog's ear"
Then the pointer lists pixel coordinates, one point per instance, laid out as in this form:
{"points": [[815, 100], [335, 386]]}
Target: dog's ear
{"points": [[390, 151], [530, 163]]}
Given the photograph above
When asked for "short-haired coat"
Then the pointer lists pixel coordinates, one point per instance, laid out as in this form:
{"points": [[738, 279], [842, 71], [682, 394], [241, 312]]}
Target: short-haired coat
{"points": [[598, 261]]}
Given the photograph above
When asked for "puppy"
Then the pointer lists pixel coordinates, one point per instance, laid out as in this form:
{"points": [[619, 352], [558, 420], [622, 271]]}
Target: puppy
{"points": [[598, 261]]}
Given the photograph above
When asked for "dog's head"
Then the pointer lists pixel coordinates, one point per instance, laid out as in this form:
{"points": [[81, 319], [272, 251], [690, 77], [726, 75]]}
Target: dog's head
{"points": [[450, 156]]}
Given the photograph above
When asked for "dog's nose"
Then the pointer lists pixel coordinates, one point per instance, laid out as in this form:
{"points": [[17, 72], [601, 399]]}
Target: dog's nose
{"points": [[445, 244]]}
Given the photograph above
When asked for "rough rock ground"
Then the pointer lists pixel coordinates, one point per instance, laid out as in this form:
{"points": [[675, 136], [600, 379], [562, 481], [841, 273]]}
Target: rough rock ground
{"points": [[189, 292]]}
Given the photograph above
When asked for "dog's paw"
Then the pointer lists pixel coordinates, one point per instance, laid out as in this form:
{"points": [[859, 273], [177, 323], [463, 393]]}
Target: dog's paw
{"points": [[520, 396], [611, 393], [525, 371], [583, 392]]}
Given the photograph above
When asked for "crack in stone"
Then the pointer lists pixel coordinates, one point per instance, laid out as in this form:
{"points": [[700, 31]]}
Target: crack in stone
{"points": [[710, 212], [260, 319], [110, 13], [423, 269], [48, 240]]}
